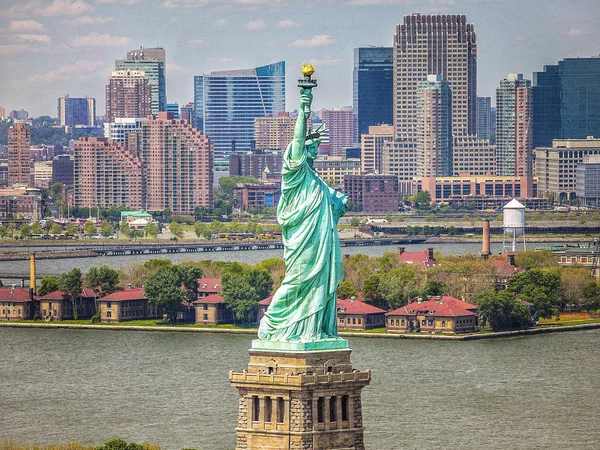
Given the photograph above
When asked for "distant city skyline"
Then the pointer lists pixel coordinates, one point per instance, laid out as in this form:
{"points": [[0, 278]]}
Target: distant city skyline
{"points": [[51, 48]]}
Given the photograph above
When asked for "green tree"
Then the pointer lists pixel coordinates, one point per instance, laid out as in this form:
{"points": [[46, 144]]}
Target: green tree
{"points": [[345, 290], [103, 277], [452, 230], [398, 286], [55, 229], [426, 230], [591, 293], [48, 284], [536, 259], [56, 191], [70, 283], [36, 228], [168, 288], [423, 199], [242, 290], [151, 230], [372, 291], [89, 228], [502, 311], [71, 228], [124, 229], [176, 229], [120, 444], [540, 287], [106, 228], [354, 222], [433, 287], [25, 231]]}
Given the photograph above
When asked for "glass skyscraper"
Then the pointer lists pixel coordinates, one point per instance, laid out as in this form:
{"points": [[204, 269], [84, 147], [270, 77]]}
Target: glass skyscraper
{"points": [[566, 101], [484, 118], [152, 61], [372, 88], [227, 102]]}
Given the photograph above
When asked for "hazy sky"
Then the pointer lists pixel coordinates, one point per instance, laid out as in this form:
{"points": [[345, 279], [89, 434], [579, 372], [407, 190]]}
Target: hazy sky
{"points": [[50, 48]]}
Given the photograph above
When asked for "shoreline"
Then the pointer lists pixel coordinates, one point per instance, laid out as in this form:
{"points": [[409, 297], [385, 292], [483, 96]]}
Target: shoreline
{"points": [[388, 335]]}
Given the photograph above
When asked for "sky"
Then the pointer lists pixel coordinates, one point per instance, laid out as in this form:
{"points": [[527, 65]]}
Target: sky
{"points": [[50, 48]]}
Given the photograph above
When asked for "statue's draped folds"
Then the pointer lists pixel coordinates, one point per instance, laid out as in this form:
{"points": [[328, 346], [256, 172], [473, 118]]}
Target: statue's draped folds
{"points": [[304, 307]]}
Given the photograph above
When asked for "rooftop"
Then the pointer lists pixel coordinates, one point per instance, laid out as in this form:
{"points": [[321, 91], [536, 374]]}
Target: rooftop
{"points": [[212, 298]]}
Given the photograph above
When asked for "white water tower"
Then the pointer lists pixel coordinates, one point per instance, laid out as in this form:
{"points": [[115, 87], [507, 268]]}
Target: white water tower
{"points": [[514, 225]]}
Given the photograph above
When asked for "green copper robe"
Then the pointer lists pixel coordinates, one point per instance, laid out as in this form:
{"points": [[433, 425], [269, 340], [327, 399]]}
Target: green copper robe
{"points": [[304, 307]]}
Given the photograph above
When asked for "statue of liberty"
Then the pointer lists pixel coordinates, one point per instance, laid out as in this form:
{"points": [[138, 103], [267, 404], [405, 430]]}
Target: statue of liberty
{"points": [[304, 308]]}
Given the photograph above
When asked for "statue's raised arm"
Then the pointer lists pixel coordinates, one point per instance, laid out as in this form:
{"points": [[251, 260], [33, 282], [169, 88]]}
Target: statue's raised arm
{"points": [[298, 143]]}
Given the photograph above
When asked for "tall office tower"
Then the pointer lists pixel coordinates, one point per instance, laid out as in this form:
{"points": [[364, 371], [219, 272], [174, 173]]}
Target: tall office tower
{"points": [[566, 101], [106, 174], [399, 157], [2, 112], [484, 118], [152, 61], [275, 133], [371, 147], [372, 88], [340, 123], [74, 111], [19, 154], [546, 106], [434, 127], [187, 113], [178, 165], [227, 103], [128, 94], [173, 108], [20, 114], [435, 44], [513, 126]]}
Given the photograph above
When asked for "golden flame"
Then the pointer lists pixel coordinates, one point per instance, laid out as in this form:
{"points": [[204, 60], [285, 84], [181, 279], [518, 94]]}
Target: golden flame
{"points": [[307, 69]]}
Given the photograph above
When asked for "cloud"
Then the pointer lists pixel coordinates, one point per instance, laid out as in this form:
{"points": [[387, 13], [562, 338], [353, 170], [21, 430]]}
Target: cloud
{"points": [[378, 2], [579, 32], [17, 49], [321, 40], [198, 3], [325, 62], [221, 23], [88, 20], [42, 38], [287, 24], [196, 42], [100, 40], [25, 26], [79, 69], [225, 60], [120, 2], [257, 25], [519, 37], [173, 67], [57, 8]]}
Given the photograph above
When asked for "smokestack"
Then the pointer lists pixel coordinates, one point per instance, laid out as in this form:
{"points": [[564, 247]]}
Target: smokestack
{"points": [[32, 280], [401, 250], [511, 259], [430, 253], [485, 248]]}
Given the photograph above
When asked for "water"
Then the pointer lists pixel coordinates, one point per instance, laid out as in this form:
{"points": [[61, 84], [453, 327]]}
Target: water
{"points": [[56, 266], [535, 392]]}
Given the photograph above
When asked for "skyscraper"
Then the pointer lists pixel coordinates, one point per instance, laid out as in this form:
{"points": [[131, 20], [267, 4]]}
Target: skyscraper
{"points": [[227, 103], [275, 133], [340, 124], [484, 118], [173, 108], [152, 61], [566, 101], [371, 147], [19, 155], [434, 127], [74, 111], [128, 95], [372, 88], [435, 45], [513, 126], [187, 113]]}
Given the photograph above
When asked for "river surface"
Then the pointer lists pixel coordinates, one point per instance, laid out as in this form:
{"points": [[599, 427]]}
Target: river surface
{"points": [[534, 392], [57, 266]]}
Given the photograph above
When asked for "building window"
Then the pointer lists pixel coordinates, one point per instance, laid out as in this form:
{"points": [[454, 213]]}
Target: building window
{"points": [[345, 404], [402, 322], [205, 317], [268, 409], [320, 410], [205, 307], [430, 322], [108, 314], [255, 408], [280, 410], [333, 409], [423, 323], [443, 323]]}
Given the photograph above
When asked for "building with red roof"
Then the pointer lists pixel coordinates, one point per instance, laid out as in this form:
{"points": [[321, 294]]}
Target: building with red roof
{"points": [[263, 305], [209, 286], [354, 314], [210, 310], [58, 306], [129, 304], [504, 269], [438, 314], [16, 303], [423, 259]]}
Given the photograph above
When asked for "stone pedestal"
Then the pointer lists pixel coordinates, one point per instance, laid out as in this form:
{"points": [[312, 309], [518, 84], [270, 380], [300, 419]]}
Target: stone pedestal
{"points": [[302, 400]]}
